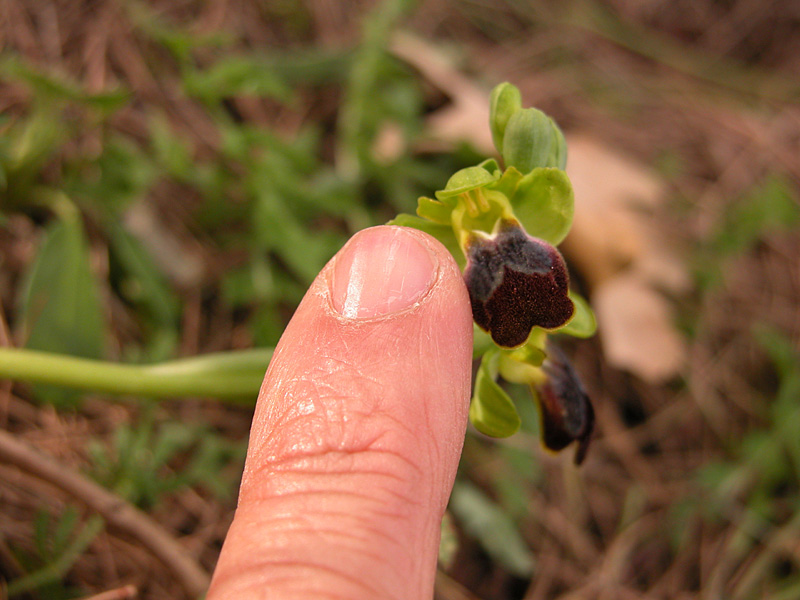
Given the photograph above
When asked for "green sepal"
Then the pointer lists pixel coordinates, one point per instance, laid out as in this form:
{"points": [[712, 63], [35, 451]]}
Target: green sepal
{"points": [[443, 233], [467, 179], [508, 182], [583, 323], [491, 166], [544, 203], [492, 411], [504, 101]]}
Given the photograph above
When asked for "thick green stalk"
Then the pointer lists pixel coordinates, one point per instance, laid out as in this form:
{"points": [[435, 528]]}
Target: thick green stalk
{"points": [[234, 375]]}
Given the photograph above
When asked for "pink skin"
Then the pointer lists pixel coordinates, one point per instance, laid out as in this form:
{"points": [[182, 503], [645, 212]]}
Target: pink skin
{"points": [[357, 431]]}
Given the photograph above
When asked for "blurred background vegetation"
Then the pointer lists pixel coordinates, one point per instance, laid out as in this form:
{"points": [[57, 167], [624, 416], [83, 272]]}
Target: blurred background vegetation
{"points": [[173, 174]]}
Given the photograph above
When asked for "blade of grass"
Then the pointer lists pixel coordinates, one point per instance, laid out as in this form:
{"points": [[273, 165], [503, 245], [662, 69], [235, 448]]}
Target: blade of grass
{"points": [[57, 568], [360, 90]]}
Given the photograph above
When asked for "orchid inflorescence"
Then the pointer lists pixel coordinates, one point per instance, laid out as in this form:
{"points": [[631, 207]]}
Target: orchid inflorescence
{"points": [[503, 226]]}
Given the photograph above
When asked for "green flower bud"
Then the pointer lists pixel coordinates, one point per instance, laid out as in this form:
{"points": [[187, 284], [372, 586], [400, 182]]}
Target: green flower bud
{"points": [[528, 140], [504, 102]]}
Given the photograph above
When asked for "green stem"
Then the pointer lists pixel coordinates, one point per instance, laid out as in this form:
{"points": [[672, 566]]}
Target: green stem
{"points": [[226, 375]]}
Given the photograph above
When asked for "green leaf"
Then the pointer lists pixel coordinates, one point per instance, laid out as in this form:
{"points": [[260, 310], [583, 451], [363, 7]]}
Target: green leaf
{"points": [[278, 229], [443, 233], [48, 579], [55, 87], [31, 145], [770, 206], [379, 89], [63, 530], [181, 41], [122, 174], [491, 526], [41, 535], [492, 411], [61, 309], [171, 151], [465, 180], [583, 323], [267, 324], [143, 284], [545, 204], [235, 76]]}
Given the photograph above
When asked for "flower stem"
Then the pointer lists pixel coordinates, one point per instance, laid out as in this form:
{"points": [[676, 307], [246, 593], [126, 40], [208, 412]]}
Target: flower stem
{"points": [[234, 375]]}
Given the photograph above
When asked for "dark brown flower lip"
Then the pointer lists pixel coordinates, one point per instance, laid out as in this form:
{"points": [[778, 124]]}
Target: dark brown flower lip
{"points": [[566, 412], [516, 282]]}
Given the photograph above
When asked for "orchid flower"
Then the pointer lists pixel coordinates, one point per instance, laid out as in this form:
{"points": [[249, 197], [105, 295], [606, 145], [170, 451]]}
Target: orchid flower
{"points": [[502, 226]]}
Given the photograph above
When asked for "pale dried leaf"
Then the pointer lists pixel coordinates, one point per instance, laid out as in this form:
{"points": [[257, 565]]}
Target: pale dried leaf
{"points": [[178, 262], [637, 328], [609, 232]]}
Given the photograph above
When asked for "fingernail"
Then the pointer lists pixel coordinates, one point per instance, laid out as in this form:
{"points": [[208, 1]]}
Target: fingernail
{"points": [[381, 271]]}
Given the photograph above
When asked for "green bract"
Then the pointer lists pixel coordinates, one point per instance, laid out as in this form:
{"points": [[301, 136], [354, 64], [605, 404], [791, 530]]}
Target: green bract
{"points": [[502, 226]]}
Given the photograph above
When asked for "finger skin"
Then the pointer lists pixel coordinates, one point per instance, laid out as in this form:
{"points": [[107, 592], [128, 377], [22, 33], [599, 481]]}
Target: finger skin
{"points": [[354, 446]]}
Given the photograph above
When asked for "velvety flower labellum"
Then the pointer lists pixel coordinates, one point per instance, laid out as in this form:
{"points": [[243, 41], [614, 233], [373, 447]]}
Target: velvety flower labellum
{"points": [[516, 282], [567, 413]]}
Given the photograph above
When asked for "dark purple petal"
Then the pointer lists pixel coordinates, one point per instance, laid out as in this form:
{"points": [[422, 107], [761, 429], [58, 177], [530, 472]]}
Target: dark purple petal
{"points": [[567, 414], [515, 283]]}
